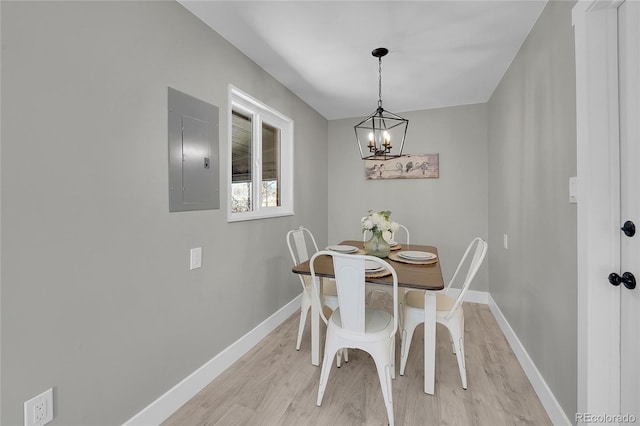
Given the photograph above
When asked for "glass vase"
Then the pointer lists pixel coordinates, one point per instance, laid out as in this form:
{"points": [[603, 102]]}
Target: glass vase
{"points": [[377, 245]]}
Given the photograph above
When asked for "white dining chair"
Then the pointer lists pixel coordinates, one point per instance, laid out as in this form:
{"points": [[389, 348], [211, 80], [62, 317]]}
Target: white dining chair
{"points": [[449, 310], [406, 232], [354, 325], [299, 250]]}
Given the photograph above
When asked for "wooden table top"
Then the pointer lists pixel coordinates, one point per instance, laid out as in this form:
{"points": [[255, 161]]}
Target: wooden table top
{"points": [[423, 277]]}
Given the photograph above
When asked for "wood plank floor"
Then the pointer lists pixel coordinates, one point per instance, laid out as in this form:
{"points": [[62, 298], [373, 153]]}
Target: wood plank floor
{"points": [[274, 384]]}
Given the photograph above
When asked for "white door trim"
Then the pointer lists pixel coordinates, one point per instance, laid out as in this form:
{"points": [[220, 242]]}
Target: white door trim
{"points": [[596, 34]]}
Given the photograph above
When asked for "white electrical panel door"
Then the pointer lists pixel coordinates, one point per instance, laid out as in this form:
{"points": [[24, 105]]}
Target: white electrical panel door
{"points": [[194, 180]]}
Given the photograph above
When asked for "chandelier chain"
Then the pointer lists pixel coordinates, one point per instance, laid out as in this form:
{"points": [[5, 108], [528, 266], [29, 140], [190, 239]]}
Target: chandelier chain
{"points": [[379, 82]]}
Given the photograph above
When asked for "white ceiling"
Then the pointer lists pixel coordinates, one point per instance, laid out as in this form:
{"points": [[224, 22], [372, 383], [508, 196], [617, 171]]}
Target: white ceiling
{"points": [[441, 53]]}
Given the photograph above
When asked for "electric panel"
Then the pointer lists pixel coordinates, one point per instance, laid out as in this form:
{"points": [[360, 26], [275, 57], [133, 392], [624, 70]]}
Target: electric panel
{"points": [[194, 179]]}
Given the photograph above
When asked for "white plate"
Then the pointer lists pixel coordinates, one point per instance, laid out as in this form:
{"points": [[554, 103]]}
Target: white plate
{"points": [[343, 249], [417, 255], [393, 243], [371, 266]]}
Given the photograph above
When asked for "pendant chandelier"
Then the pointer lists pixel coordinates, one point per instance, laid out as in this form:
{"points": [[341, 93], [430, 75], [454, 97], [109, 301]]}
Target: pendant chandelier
{"points": [[381, 135]]}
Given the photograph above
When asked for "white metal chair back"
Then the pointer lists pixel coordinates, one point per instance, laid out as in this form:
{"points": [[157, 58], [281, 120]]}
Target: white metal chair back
{"points": [[478, 256], [406, 231], [349, 270], [301, 254], [350, 279]]}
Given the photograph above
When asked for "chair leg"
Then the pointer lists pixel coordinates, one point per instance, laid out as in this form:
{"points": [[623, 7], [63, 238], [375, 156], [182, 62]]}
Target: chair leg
{"points": [[461, 363], [393, 357], [304, 309], [406, 335], [384, 374], [401, 298], [344, 352], [456, 328], [462, 357], [329, 354]]}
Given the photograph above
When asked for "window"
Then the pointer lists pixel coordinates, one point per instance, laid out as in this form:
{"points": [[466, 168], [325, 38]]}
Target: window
{"points": [[261, 160]]}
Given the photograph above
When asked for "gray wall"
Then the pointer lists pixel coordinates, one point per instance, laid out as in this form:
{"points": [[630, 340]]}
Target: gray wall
{"points": [[532, 154], [447, 212], [97, 297]]}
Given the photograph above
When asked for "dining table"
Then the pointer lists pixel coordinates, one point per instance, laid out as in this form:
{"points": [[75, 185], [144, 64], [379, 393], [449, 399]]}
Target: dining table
{"points": [[425, 277]]}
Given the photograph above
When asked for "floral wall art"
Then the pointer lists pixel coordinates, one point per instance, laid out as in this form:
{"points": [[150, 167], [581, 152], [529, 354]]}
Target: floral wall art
{"points": [[413, 166]]}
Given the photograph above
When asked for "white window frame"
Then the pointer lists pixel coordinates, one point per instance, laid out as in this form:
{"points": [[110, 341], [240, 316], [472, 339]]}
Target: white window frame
{"points": [[240, 101]]}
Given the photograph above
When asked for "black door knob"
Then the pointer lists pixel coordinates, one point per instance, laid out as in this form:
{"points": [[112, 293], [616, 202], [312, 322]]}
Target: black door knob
{"points": [[627, 279], [629, 228]]}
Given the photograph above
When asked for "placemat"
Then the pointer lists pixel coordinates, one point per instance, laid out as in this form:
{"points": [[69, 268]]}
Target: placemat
{"points": [[378, 274], [397, 258], [396, 247]]}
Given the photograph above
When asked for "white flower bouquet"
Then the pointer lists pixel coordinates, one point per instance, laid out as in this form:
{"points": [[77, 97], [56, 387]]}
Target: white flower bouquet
{"points": [[382, 230], [379, 222]]}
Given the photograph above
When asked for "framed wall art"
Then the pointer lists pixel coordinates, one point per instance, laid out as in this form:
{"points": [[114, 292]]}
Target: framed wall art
{"points": [[412, 166]]}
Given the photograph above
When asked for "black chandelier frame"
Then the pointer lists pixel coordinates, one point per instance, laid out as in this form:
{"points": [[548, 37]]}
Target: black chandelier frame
{"points": [[380, 125]]}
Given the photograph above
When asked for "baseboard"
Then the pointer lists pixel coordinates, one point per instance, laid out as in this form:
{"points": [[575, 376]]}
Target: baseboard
{"points": [[159, 410], [472, 296], [548, 400]]}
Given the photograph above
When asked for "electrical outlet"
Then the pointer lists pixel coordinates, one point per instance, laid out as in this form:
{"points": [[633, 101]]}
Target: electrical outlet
{"points": [[573, 190], [38, 411]]}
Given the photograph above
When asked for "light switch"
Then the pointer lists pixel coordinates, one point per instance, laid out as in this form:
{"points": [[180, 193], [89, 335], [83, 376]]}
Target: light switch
{"points": [[196, 258], [505, 241]]}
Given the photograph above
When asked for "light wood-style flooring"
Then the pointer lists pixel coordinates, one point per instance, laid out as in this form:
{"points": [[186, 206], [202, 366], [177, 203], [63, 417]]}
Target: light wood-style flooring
{"points": [[274, 384]]}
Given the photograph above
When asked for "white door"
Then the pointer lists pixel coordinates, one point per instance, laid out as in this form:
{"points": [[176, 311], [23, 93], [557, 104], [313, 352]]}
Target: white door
{"points": [[629, 81]]}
